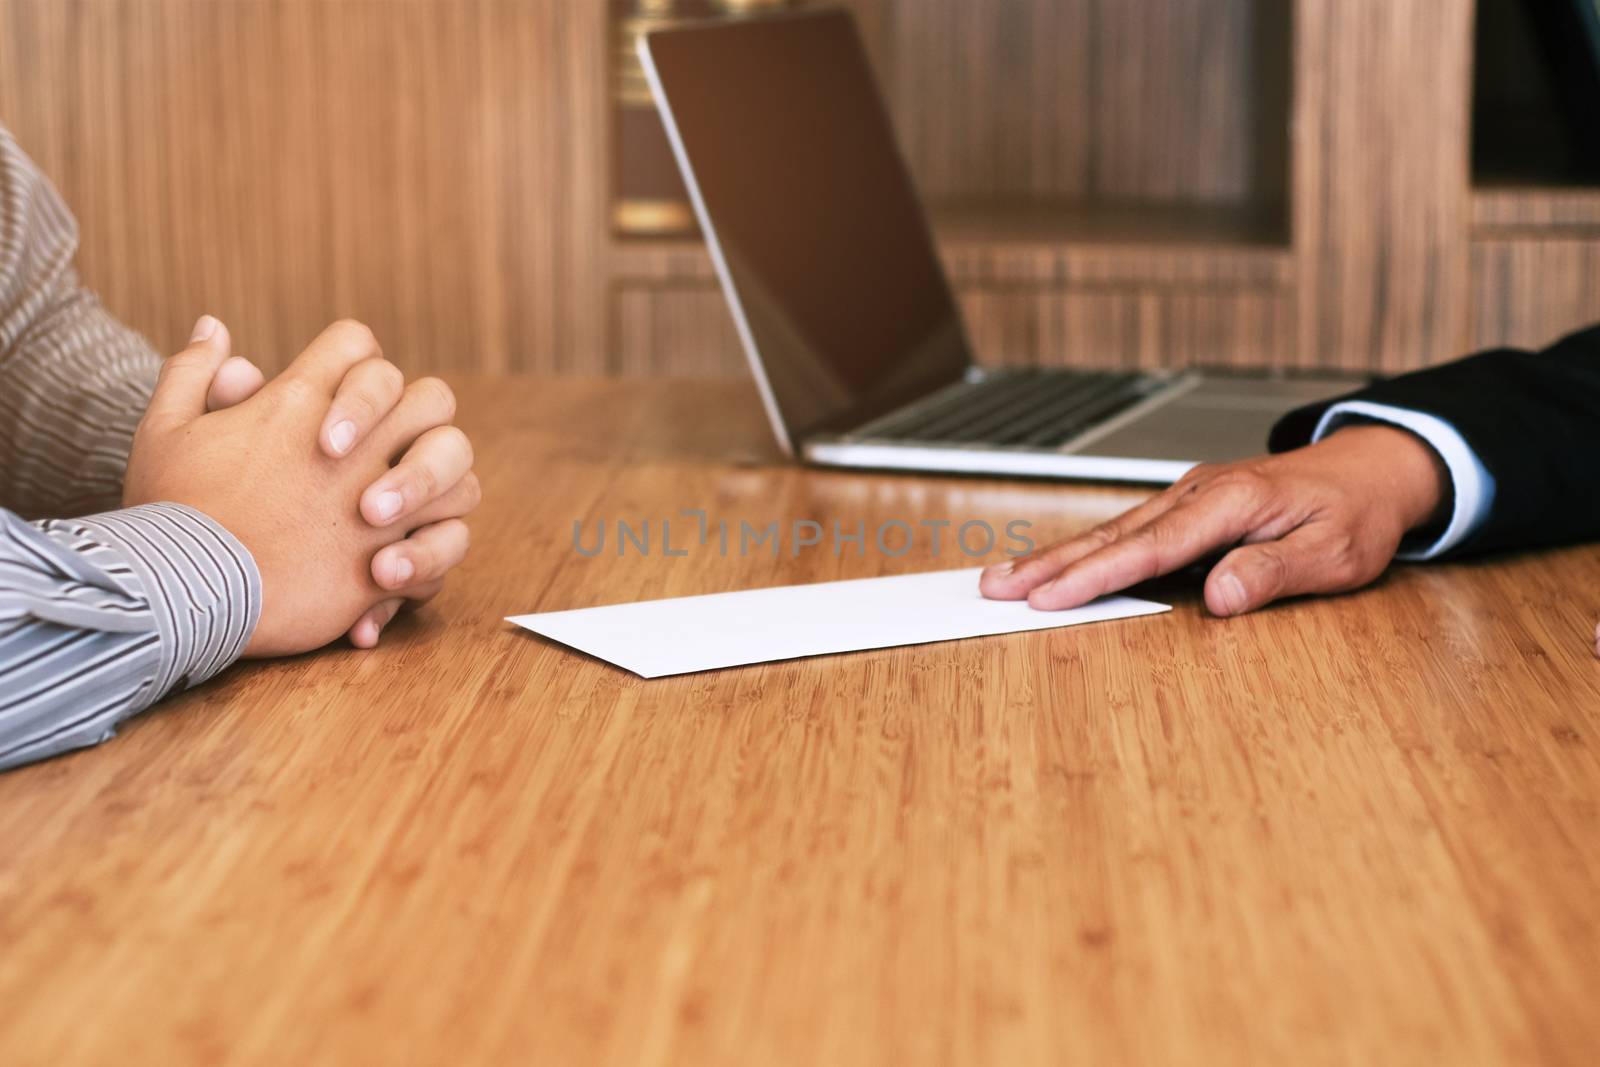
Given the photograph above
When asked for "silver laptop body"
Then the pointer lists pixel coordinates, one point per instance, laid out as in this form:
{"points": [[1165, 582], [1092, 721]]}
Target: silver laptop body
{"points": [[843, 308]]}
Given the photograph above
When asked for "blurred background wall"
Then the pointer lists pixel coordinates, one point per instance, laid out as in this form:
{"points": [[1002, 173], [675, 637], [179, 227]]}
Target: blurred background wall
{"points": [[1255, 182], [432, 167]]}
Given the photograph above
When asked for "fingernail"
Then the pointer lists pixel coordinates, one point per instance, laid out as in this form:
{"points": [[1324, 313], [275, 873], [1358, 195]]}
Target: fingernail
{"points": [[342, 436], [204, 327], [1003, 568], [1232, 594], [400, 572], [387, 505]]}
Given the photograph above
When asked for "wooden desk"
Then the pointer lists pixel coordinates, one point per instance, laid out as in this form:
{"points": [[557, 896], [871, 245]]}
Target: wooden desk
{"points": [[1345, 830]]}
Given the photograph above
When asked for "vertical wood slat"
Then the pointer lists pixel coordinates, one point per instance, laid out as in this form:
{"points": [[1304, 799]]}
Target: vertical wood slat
{"points": [[1025, 299], [1118, 99], [433, 167], [684, 330], [674, 330], [1381, 183], [1528, 292], [1128, 326]]}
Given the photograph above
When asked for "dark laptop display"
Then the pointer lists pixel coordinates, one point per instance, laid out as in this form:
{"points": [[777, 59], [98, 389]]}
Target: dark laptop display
{"points": [[814, 215]]}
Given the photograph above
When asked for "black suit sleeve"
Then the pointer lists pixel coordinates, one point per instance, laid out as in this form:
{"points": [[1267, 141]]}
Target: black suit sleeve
{"points": [[1533, 418]]}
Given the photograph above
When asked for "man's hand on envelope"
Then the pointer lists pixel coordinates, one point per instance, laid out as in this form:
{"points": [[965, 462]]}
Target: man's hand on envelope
{"points": [[1322, 519]]}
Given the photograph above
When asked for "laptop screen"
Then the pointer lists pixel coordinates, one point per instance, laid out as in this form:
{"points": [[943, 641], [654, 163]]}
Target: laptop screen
{"points": [[824, 250]]}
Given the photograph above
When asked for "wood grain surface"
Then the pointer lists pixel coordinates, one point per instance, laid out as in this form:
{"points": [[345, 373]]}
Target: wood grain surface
{"points": [[1339, 831], [1570, 212], [432, 167], [1120, 100], [1381, 181], [1049, 284], [1227, 182], [1531, 289]]}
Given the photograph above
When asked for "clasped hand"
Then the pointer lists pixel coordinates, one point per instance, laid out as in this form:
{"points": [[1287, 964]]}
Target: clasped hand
{"points": [[347, 485]]}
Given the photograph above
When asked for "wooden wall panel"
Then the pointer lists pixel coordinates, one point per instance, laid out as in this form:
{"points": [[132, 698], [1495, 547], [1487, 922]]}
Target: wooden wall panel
{"points": [[1380, 203], [437, 167], [1087, 302], [1528, 292], [1128, 327], [684, 329], [430, 166], [679, 330], [1524, 211], [1115, 99]]}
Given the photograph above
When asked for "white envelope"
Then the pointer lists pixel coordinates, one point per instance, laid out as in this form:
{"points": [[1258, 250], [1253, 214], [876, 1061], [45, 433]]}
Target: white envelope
{"points": [[654, 638]]}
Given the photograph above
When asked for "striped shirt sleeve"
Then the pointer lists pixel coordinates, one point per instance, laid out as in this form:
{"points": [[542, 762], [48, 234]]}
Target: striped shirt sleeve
{"points": [[102, 616], [73, 380]]}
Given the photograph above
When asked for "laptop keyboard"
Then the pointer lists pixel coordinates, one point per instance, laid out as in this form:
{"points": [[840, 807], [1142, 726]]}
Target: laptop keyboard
{"points": [[1026, 408]]}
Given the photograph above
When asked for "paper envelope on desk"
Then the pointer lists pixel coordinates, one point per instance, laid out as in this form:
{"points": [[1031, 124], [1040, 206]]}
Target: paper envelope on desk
{"points": [[654, 638]]}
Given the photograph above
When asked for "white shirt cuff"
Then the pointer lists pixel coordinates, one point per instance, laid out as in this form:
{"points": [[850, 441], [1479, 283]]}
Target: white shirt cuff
{"points": [[1473, 484]]}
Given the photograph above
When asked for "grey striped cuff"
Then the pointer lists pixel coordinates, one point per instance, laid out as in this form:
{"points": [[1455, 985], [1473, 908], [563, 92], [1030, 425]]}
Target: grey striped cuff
{"points": [[203, 586]]}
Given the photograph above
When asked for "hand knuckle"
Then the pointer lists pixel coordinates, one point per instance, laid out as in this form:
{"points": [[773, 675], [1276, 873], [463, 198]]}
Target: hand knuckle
{"points": [[1147, 544], [390, 378], [1159, 537], [365, 406], [435, 394], [1351, 576], [1105, 533], [461, 443], [1237, 477], [295, 392], [1200, 472], [1345, 560], [472, 491], [1241, 485], [356, 335], [186, 361], [423, 481], [1274, 568]]}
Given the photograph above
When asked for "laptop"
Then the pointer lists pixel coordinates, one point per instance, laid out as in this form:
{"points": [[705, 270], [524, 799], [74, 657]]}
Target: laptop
{"points": [[841, 303]]}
